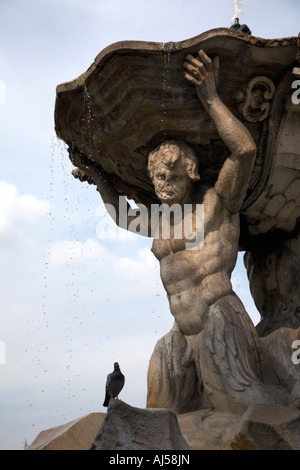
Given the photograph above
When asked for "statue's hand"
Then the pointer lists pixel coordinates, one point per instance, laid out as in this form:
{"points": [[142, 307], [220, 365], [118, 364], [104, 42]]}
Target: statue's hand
{"points": [[200, 72], [87, 171], [82, 176]]}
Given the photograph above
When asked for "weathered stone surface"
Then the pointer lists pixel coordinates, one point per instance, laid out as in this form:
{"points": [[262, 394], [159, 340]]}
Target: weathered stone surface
{"points": [[273, 271], [129, 428], [261, 427], [208, 429], [171, 369], [76, 435], [268, 428], [279, 359], [172, 379], [275, 202]]}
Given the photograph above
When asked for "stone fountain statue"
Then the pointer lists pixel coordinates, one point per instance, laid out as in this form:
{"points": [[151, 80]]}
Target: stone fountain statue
{"points": [[206, 122]]}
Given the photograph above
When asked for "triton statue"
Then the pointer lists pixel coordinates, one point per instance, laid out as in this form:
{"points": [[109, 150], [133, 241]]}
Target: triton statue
{"points": [[213, 355]]}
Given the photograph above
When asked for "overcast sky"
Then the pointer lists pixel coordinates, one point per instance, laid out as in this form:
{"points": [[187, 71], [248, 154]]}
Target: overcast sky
{"points": [[71, 302]]}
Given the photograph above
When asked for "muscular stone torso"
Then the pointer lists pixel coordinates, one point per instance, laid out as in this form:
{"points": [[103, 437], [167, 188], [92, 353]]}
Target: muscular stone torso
{"points": [[195, 279]]}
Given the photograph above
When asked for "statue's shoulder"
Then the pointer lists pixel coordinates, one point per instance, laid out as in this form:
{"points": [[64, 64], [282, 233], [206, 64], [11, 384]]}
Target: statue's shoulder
{"points": [[211, 201], [206, 194]]}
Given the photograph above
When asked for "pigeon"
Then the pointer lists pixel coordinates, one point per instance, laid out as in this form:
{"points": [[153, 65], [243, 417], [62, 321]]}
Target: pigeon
{"points": [[114, 384], [240, 27]]}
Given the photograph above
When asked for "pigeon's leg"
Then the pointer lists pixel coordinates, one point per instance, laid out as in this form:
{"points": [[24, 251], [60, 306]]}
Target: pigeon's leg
{"points": [[172, 378]]}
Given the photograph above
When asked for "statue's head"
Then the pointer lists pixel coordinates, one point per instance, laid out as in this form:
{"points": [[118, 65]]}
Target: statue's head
{"points": [[173, 166]]}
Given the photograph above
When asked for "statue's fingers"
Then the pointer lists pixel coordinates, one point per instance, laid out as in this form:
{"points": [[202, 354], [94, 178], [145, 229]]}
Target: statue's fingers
{"points": [[198, 65], [199, 73], [192, 79], [190, 67], [205, 59], [193, 60]]}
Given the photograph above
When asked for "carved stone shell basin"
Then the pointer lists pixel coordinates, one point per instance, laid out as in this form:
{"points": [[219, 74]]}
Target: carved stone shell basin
{"points": [[135, 95]]}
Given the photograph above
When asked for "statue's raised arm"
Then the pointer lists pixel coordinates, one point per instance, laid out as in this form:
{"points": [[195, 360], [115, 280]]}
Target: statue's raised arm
{"points": [[235, 174]]}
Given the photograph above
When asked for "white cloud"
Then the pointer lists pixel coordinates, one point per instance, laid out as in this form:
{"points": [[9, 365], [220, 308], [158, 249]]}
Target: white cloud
{"points": [[138, 269], [16, 208], [122, 278]]}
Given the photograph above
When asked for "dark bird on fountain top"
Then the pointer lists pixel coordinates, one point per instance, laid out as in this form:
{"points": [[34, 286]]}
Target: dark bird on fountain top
{"points": [[114, 384], [240, 27]]}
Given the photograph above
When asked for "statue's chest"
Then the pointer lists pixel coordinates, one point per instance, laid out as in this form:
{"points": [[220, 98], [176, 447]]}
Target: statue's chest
{"points": [[179, 233]]}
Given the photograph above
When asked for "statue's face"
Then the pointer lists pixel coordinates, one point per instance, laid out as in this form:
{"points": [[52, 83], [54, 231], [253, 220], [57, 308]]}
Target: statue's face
{"points": [[171, 184]]}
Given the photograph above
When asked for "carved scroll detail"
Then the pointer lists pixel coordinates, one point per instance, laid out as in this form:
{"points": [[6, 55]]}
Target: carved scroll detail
{"points": [[256, 104]]}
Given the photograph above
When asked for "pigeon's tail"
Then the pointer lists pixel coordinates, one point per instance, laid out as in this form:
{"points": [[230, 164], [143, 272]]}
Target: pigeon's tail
{"points": [[107, 398]]}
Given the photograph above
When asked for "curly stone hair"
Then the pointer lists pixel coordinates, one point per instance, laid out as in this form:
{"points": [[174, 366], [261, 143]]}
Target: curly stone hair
{"points": [[179, 150]]}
